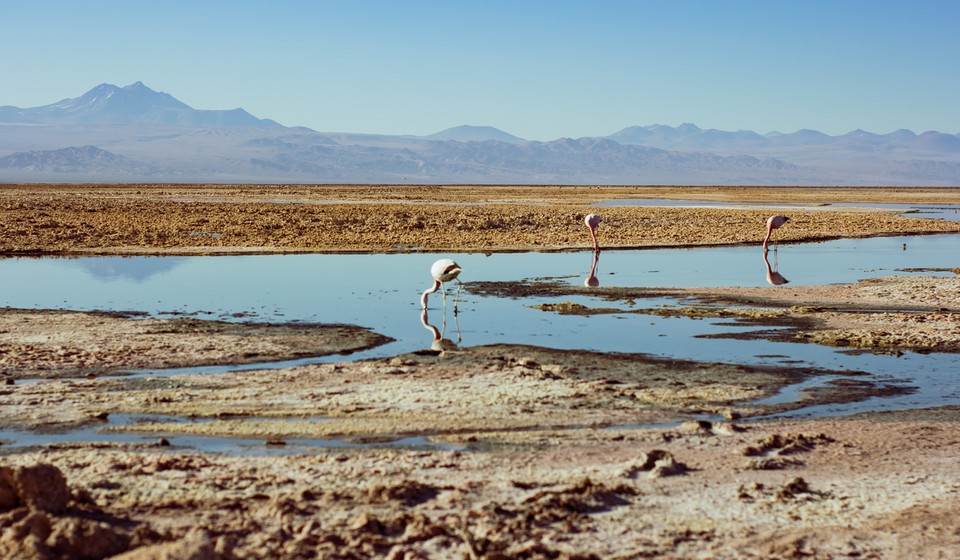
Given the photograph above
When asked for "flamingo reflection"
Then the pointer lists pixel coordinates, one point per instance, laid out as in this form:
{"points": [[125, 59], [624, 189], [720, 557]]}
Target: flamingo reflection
{"points": [[591, 280], [774, 278], [440, 343]]}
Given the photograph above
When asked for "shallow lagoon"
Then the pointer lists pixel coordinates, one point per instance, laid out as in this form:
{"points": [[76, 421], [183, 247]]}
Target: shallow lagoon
{"points": [[382, 292]]}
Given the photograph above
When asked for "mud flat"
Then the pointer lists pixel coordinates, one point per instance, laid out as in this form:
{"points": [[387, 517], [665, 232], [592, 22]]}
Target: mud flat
{"points": [[535, 453], [51, 344], [885, 315]]}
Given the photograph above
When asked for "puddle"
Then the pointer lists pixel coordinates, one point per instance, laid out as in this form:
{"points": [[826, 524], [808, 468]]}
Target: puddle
{"points": [[382, 292], [102, 433]]}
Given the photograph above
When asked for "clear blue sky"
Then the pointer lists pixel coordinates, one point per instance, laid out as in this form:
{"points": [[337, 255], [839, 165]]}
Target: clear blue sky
{"points": [[539, 69]]}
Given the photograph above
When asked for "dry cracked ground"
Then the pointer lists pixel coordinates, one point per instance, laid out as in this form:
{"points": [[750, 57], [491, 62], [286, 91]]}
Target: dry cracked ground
{"points": [[489, 452]]}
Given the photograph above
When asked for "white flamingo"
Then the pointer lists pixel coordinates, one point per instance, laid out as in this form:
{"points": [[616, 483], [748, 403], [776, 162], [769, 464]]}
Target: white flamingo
{"points": [[444, 270], [592, 221]]}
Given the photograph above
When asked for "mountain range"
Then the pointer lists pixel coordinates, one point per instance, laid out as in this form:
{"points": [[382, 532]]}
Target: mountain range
{"points": [[136, 134]]}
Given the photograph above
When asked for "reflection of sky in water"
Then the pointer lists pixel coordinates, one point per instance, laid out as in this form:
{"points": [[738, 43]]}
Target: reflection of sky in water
{"points": [[950, 212], [382, 292], [213, 444]]}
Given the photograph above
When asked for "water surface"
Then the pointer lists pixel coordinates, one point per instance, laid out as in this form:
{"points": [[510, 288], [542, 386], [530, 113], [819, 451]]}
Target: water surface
{"points": [[382, 292], [950, 212]]}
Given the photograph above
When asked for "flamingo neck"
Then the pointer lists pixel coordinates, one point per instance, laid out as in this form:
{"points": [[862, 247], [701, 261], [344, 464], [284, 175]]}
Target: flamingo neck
{"points": [[596, 246], [428, 291]]}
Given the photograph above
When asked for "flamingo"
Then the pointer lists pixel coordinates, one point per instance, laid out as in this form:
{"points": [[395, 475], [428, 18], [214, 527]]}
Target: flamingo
{"points": [[444, 270], [773, 222], [592, 221]]}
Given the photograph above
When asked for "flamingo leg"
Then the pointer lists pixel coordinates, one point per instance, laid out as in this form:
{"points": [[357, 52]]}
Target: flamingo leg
{"points": [[456, 323], [456, 299]]}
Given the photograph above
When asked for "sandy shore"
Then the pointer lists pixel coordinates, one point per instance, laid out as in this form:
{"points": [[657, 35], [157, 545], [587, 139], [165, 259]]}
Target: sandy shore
{"points": [[524, 452]]}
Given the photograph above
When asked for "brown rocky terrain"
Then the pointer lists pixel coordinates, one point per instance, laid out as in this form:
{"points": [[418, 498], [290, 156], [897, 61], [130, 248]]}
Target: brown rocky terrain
{"points": [[187, 219]]}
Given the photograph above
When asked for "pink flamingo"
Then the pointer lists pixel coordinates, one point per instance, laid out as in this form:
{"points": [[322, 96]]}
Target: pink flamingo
{"points": [[773, 222], [592, 221], [444, 270]]}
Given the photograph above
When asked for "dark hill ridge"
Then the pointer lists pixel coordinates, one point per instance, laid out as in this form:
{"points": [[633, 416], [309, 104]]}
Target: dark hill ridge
{"points": [[74, 159], [691, 137]]}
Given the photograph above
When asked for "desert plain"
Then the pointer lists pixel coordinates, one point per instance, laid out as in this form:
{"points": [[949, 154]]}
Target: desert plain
{"points": [[511, 451]]}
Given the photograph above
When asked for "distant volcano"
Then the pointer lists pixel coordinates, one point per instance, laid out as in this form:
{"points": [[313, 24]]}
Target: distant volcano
{"points": [[133, 104], [467, 133]]}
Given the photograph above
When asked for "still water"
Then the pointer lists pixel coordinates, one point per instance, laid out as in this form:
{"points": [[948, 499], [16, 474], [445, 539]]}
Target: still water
{"points": [[96, 433], [950, 212], [382, 292]]}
